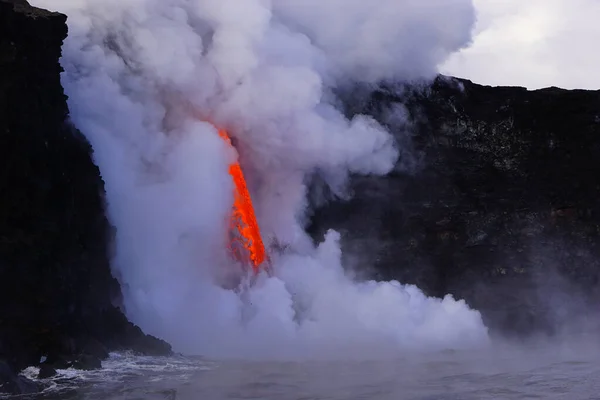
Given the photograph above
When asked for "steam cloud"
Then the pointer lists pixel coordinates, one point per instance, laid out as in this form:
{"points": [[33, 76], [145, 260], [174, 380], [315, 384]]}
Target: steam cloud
{"points": [[142, 75]]}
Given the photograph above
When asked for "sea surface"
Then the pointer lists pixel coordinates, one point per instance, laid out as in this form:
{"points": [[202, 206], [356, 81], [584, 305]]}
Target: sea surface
{"points": [[502, 372]]}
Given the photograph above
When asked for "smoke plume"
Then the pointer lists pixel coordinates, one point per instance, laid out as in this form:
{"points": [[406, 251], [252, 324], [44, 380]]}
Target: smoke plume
{"points": [[142, 77]]}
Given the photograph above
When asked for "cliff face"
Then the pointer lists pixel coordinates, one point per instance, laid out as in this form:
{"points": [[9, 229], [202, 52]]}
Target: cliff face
{"points": [[499, 205], [56, 288]]}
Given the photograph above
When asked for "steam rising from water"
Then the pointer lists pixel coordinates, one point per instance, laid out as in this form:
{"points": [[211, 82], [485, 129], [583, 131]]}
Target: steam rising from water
{"points": [[142, 74]]}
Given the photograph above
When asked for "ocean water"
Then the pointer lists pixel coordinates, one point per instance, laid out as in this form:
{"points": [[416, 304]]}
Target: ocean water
{"points": [[503, 372]]}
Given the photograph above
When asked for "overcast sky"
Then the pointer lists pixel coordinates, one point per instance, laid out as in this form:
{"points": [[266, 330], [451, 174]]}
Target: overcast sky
{"points": [[533, 43]]}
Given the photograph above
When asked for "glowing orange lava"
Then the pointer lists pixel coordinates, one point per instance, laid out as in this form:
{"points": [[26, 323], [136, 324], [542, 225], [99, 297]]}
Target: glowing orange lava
{"points": [[249, 243]]}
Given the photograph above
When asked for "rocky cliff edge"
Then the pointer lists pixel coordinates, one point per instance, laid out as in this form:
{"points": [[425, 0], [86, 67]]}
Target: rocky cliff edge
{"points": [[57, 294]]}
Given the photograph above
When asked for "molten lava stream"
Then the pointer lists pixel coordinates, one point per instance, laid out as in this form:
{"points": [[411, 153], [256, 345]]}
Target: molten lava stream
{"points": [[248, 247]]}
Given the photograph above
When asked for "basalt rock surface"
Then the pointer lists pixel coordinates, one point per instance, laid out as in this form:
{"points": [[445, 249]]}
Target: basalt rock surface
{"points": [[495, 199], [57, 294]]}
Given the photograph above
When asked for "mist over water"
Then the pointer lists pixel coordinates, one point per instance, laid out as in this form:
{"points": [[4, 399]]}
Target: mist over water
{"points": [[549, 370], [142, 75]]}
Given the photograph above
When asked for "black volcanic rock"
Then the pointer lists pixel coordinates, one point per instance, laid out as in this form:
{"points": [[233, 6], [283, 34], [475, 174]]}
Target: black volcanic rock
{"points": [[10, 382], [494, 200], [46, 371], [56, 288]]}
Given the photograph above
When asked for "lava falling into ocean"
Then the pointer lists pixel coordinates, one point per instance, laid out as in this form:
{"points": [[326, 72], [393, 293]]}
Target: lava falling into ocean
{"points": [[246, 243], [138, 72]]}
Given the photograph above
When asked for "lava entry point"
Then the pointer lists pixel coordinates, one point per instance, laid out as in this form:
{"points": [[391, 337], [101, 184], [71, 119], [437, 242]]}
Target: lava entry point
{"points": [[245, 241]]}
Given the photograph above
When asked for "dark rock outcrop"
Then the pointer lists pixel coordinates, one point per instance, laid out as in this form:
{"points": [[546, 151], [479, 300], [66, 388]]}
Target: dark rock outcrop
{"points": [[56, 288], [494, 200], [46, 371], [10, 382]]}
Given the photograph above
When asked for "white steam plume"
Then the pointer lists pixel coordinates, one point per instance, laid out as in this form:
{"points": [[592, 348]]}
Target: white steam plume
{"points": [[142, 75]]}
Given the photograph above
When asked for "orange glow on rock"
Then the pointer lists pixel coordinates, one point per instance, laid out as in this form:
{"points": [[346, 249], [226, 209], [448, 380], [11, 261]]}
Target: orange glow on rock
{"points": [[245, 243]]}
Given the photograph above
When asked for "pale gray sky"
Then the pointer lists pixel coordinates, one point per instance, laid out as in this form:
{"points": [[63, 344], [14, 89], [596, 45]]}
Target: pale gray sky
{"points": [[533, 43]]}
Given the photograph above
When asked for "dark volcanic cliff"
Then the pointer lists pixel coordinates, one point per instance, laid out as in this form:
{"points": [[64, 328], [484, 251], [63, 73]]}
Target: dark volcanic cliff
{"points": [[495, 199], [56, 288]]}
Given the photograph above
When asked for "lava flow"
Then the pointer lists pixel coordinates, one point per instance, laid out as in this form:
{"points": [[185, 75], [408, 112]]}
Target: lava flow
{"points": [[245, 243]]}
